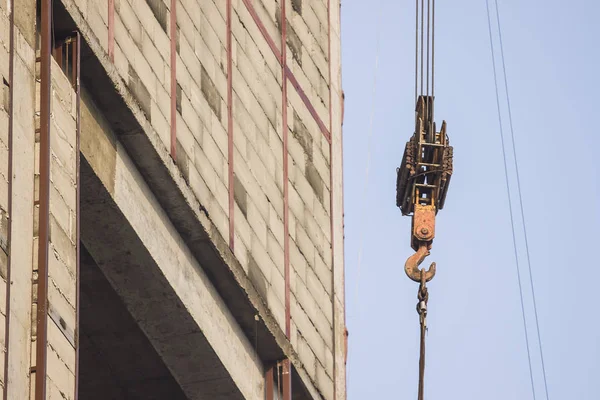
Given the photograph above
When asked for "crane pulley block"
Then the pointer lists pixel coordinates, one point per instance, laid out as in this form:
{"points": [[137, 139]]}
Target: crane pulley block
{"points": [[423, 178]]}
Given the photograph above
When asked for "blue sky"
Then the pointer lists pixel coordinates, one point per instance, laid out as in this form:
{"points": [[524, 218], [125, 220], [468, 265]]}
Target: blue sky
{"points": [[476, 344]]}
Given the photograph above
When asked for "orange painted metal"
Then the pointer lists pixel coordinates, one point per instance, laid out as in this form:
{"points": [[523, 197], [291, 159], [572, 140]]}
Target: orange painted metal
{"points": [[423, 225]]}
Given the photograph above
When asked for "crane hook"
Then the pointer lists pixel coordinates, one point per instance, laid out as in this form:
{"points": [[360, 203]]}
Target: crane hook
{"points": [[411, 267]]}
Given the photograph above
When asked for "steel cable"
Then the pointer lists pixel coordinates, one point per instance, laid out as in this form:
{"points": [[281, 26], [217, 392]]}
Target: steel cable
{"points": [[432, 47], [416, 48], [432, 57], [428, 41], [423, 297], [512, 134], [425, 53], [510, 205], [422, 44]]}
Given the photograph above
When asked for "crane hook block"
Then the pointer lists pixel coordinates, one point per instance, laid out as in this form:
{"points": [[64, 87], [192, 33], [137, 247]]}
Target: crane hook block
{"points": [[423, 178]]}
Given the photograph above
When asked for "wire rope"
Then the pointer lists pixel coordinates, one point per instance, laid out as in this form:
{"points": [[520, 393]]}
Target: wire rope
{"points": [[510, 207], [512, 134]]}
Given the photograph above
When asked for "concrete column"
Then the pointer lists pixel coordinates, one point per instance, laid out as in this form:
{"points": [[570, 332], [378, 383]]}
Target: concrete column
{"points": [[20, 246], [63, 240], [53, 339]]}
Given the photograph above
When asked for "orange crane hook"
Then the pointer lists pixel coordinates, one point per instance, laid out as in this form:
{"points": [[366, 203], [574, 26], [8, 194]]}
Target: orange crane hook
{"points": [[411, 267]]}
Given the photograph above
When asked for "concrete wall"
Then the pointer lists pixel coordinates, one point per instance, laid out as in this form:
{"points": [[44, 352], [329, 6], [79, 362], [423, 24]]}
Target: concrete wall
{"points": [[4, 178], [19, 239], [231, 151], [62, 264], [21, 184], [161, 283], [142, 31]]}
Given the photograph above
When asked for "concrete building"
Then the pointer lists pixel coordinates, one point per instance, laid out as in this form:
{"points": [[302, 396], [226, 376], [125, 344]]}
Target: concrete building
{"points": [[171, 211]]}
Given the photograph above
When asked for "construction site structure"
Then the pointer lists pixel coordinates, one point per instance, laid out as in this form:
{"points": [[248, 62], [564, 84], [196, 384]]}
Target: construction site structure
{"points": [[171, 206]]}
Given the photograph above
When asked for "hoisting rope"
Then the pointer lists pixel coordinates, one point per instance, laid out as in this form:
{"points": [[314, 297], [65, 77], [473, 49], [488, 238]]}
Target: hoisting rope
{"points": [[423, 296], [424, 49]]}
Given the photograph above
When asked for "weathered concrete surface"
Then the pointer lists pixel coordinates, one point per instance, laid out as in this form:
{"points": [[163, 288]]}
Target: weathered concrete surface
{"points": [[117, 361], [125, 117], [62, 242], [21, 244], [163, 286], [133, 93], [4, 182], [337, 183]]}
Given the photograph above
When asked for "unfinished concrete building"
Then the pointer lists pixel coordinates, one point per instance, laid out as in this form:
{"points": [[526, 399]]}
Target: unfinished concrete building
{"points": [[171, 214]]}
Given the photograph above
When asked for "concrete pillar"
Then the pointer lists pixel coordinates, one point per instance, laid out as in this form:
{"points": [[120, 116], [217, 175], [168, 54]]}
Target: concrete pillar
{"points": [[55, 269], [21, 181], [63, 239]]}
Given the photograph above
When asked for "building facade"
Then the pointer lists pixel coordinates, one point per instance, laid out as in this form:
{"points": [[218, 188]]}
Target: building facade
{"points": [[171, 207]]}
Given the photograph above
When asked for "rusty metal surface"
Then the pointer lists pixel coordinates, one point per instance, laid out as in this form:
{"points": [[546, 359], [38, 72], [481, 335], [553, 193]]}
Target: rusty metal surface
{"points": [[423, 297], [422, 183], [77, 75], [74, 44], [405, 174], [286, 377], [57, 53], [423, 225], [269, 383], [426, 167], [65, 53], [411, 267]]}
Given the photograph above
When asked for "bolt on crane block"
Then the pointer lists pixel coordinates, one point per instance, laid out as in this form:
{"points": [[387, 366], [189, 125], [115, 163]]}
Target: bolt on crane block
{"points": [[422, 183]]}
